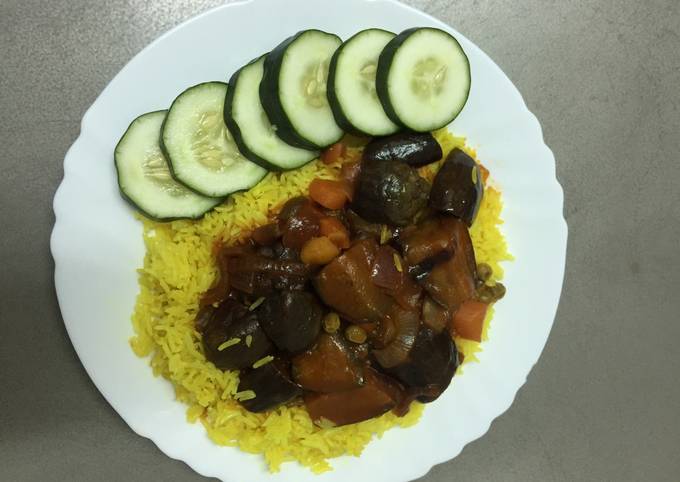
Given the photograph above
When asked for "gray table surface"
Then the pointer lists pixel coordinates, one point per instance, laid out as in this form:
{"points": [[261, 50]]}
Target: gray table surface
{"points": [[603, 77]]}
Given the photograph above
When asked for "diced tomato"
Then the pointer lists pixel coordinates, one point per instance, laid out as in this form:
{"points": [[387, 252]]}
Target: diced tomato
{"points": [[333, 153], [329, 194], [468, 321]]}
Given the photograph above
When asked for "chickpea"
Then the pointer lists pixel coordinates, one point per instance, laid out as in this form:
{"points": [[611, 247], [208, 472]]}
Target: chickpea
{"points": [[356, 334], [484, 271], [331, 322]]}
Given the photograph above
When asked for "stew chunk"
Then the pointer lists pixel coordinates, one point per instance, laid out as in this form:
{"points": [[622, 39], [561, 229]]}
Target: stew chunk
{"points": [[390, 193]]}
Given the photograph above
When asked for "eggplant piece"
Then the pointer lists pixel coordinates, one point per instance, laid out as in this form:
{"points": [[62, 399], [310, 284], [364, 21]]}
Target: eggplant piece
{"points": [[291, 319], [267, 234], [221, 289], [266, 251], [299, 222], [428, 244], [231, 321], [271, 384], [283, 253], [329, 366], [291, 206], [431, 239], [458, 187], [384, 272], [388, 273], [259, 275], [345, 285], [204, 317], [421, 271], [390, 193], [454, 281], [379, 394], [412, 148], [431, 364]]}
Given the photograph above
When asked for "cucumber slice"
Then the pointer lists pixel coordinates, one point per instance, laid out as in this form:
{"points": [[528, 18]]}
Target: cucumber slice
{"points": [[423, 79], [253, 133], [200, 149], [144, 177], [351, 84], [293, 89]]}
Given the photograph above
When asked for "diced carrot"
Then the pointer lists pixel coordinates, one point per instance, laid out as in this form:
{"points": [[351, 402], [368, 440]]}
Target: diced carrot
{"points": [[333, 153], [330, 194], [334, 230], [468, 321], [319, 250]]}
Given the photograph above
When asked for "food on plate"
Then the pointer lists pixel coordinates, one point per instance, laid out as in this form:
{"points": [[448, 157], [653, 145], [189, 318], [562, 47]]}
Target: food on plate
{"points": [[451, 193], [351, 84], [254, 135], [291, 319], [412, 148], [293, 89], [378, 394], [423, 79], [281, 108], [267, 386], [389, 193], [200, 150], [328, 299], [232, 336], [288, 398], [144, 178]]}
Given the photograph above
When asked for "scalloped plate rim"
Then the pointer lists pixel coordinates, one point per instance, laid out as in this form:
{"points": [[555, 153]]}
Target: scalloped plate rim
{"points": [[167, 446]]}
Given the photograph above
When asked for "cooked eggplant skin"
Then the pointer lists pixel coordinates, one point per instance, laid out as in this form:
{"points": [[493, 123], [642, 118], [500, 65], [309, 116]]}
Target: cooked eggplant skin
{"points": [[272, 386], [258, 275], [299, 222], [232, 320], [389, 193], [412, 148], [428, 239], [458, 187], [430, 366], [291, 319]]}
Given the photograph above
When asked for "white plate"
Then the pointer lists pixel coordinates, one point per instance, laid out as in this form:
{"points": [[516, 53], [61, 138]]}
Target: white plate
{"points": [[97, 245]]}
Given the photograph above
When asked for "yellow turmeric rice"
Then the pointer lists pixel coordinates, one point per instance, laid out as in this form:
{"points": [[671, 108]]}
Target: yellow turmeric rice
{"points": [[179, 267]]}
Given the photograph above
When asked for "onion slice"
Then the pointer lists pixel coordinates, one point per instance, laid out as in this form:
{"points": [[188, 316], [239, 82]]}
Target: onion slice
{"points": [[407, 324]]}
